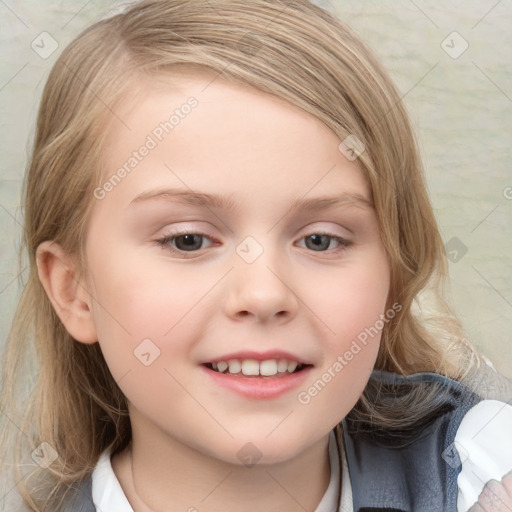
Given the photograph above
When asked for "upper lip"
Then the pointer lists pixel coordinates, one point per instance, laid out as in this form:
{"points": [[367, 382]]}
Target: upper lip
{"points": [[258, 356]]}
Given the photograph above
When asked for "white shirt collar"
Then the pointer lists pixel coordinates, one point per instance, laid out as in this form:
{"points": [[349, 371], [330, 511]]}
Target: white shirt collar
{"points": [[108, 496]]}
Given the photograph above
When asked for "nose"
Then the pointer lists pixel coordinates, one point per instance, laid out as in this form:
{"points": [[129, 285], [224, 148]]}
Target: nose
{"points": [[262, 291]]}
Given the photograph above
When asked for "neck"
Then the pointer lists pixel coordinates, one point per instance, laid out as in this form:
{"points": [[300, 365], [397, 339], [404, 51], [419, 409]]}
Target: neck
{"points": [[169, 478]]}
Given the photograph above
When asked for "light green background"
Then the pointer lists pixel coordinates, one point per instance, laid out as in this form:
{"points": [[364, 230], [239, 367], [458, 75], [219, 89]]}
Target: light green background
{"points": [[462, 109]]}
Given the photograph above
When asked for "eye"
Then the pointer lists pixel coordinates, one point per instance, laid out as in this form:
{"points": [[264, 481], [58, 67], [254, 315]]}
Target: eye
{"points": [[321, 242], [183, 241]]}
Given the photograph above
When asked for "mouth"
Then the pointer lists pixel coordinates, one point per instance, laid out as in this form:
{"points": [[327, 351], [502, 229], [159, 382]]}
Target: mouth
{"points": [[257, 376], [254, 369]]}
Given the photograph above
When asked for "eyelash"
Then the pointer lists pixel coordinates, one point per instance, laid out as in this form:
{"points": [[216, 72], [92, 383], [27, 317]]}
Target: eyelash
{"points": [[165, 242]]}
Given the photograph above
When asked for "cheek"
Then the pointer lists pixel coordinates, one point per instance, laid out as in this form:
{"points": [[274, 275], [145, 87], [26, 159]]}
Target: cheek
{"points": [[351, 301], [136, 303], [352, 307], [146, 332], [147, 295]]}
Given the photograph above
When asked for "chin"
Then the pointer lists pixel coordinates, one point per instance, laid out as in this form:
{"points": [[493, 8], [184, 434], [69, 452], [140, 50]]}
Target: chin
{"points": [[249, 451]]}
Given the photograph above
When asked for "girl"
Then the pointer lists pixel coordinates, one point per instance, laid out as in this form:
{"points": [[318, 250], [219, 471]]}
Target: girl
{"points": [[228, 233]]}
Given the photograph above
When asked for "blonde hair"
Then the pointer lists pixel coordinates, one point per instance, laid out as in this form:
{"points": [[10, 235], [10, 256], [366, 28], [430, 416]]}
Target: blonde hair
{"points": [[294, 50]]}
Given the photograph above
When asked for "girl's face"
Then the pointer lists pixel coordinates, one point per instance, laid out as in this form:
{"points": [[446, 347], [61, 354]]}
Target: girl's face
{"points": [[230, 227]]}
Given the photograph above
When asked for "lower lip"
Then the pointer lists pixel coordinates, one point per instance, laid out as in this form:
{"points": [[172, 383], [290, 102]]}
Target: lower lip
{"points": [[258, 388]]}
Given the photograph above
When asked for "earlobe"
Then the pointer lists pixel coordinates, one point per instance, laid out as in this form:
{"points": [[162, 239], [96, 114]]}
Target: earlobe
{"points": [[69, 297]]}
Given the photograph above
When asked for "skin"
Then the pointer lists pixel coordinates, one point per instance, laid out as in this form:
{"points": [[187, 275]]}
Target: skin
{"points": [[263, 153], [495, 497]]}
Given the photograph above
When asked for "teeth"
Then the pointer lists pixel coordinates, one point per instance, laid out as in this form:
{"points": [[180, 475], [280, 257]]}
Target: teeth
{"points": [[234, 366], [251, 367], [282, 366], [268, 367], [292, 365]]}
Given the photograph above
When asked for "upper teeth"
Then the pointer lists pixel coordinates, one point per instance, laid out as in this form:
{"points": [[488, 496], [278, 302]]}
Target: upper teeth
{"points": [[253, 367]]}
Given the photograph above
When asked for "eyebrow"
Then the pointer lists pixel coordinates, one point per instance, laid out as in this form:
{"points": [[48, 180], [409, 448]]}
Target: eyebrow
{"points": [[216, 201]]}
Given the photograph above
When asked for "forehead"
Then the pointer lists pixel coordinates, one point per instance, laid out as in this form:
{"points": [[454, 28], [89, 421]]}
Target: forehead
{"points": [[221, 135], [222, 105]]}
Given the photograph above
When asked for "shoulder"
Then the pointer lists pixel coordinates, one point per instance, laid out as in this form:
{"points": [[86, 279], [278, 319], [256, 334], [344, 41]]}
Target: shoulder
{"points": [[411, 407], [100, 490], [79, 498], [416, 465]]}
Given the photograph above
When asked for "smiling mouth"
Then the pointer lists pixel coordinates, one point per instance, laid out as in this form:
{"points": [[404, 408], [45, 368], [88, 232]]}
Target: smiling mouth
{"points": [[251, 368]]}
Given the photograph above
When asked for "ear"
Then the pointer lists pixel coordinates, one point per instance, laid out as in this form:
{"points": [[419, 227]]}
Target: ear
{"points": [[69, 297]]}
